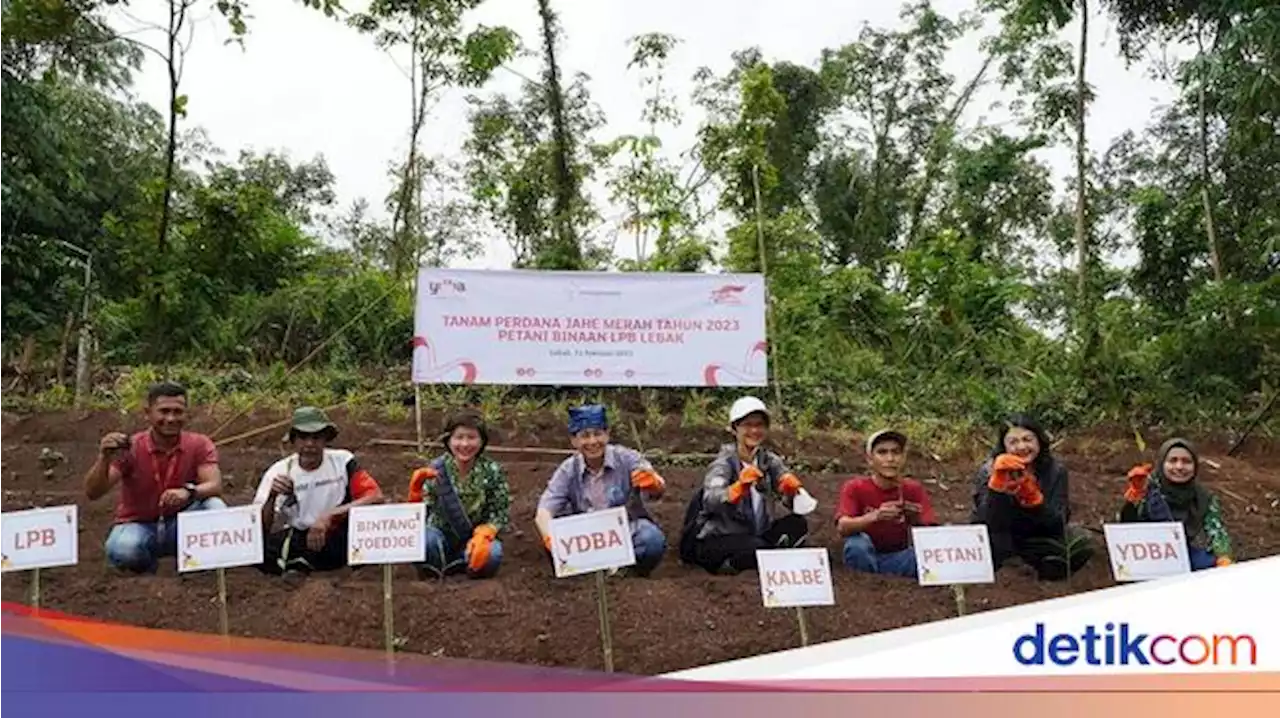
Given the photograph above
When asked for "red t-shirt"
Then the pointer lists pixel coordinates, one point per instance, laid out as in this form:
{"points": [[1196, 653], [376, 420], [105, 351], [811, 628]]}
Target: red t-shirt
{"points": [[861, 495], [146, 472]]}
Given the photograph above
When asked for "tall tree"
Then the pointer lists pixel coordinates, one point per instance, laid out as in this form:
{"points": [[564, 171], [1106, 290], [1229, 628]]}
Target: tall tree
{"points": [[442, 54]]}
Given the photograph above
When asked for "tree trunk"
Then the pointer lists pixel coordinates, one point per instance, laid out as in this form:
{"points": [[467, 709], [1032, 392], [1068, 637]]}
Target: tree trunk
{"points": [[1083, 295], [177, 18], [937, 146], [1215, 260], [60, 369], [404, 224], [566, 253]]}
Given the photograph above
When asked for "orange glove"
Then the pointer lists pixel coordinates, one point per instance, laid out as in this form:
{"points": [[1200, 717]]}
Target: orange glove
{"points": [[748, 476], [789, 485], [1007, 474], [1137, 487], [478, 547], [418, 480], [546, 543], [647, 481], [1223, 561], [1028, 493]]}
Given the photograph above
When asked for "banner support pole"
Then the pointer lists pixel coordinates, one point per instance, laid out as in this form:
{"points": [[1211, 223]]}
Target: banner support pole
{"points": [[768, 297]]}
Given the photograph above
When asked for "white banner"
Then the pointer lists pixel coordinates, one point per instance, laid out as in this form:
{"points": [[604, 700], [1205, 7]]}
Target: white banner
{"points": [[589, 328], [947, 555], [1145, 551], [386, 533], [594, 541], [225, 538], [795, 577], [39, 538]]}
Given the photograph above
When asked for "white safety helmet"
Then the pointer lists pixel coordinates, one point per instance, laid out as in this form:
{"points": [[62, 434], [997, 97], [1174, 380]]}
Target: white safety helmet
{"points": [[745, 406]]}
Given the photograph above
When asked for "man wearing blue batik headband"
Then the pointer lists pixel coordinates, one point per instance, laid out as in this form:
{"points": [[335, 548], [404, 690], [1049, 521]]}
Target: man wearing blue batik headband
{"points": [[600, 476]]}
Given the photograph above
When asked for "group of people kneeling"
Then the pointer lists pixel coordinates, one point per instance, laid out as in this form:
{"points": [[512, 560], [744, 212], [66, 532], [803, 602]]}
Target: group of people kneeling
{"points": [[747, 500]]}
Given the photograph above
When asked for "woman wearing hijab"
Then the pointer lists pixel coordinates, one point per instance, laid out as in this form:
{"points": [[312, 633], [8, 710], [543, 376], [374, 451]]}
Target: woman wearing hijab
{"points": [[1021, 494], [729, 519], [1173, 493], [468, 502]]}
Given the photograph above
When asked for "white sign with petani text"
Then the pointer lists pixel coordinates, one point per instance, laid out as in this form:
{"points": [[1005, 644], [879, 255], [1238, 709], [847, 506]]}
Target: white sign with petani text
{"points": [[589, 328], [795, 577], [1145, 551], [222, 538], [947, 555], [39, 538], [388, 533], [594, 541]]}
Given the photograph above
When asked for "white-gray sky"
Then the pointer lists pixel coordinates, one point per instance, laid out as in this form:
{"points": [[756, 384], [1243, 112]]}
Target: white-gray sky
{"points": [[310, 85]]}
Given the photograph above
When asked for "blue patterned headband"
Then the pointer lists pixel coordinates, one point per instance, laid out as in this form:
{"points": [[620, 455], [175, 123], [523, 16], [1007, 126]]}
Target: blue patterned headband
{"points": [[591, 416]]}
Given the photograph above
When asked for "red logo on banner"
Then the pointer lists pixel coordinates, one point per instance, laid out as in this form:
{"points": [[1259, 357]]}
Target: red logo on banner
{"points": [[728, 294]]}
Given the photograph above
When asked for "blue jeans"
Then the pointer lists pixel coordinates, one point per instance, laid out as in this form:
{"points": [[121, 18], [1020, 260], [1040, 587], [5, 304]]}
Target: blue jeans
{"points": [[649, 544], [861, 555], [442, 558], [1201, 559], [138, 546]]}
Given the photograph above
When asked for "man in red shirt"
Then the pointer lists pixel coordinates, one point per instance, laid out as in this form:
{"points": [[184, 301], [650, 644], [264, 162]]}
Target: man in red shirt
{"points": [[161, 471], [876, 512]]}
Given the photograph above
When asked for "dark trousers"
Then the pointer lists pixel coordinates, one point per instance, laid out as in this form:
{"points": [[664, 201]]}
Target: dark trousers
{"points": [[1054, 550], [287, 550], [739, 550]]}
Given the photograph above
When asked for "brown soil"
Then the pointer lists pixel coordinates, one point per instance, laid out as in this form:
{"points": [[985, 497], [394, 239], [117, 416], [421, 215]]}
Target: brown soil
{"points": [[679, 618]]}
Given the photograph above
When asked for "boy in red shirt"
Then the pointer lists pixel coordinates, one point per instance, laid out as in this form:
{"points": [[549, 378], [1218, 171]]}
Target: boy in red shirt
{"points": [[876, 512]]}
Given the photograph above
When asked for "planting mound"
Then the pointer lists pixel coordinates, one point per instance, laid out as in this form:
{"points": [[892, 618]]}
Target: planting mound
{"points": [[679, 618]]}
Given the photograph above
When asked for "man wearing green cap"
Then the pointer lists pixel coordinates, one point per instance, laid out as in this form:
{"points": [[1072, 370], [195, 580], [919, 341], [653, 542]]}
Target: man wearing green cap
{"points": [[305, 498]]}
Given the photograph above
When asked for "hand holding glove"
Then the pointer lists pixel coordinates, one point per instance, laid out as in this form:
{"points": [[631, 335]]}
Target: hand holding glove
{"points": [[789, 485], [1136, 489], [418, 481], [749, 475], [647, 480], [1007, 474], [478, 547], [1010, 475]]}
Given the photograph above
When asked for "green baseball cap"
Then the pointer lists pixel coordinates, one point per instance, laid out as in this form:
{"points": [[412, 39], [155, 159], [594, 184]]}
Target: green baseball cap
{"points": [[311, 420]]}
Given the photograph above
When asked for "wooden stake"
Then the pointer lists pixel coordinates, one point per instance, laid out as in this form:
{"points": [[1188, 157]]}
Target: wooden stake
{"points": [[804, 625], [522, 449], [417, 414], [35, 589], [957, 591], [606, 634], [223, 620], [263, 429], [768, 300], [388, 620]]}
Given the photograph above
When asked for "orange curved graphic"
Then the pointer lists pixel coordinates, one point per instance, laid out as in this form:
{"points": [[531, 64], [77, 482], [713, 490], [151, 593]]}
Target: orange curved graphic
{"points": [[437, 371], [712, 372]]}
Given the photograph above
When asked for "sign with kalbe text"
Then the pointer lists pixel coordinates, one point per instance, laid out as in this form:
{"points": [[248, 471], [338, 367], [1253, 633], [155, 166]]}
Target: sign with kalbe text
{"points": [[795, 577], [594, 541], [1145, 551], [388, 533], [39, 538], [589, 328], [221, 538], [948, 555]]}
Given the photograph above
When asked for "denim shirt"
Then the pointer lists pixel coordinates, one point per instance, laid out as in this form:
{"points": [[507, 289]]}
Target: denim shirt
{"points": [[568, 492]]}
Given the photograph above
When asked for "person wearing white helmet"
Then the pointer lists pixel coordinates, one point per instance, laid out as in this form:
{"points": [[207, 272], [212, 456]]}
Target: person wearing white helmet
{"points": [[731, 516]]}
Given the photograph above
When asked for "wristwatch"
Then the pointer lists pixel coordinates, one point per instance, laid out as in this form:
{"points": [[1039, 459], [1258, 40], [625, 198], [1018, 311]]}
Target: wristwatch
{"points": [[191, 491]]}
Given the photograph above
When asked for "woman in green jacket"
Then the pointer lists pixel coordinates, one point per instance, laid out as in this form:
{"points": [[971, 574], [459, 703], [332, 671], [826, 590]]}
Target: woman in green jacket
{"points": [[1172, 492]]}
